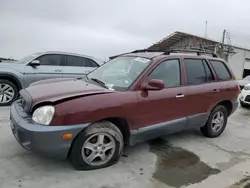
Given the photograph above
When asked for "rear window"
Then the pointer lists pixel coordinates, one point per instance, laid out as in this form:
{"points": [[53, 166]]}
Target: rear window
{"points": [[221, 70], [195, 71], [80, 62]]}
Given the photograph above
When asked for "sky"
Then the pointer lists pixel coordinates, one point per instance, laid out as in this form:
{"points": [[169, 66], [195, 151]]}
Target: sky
{"points": [[104, 28]]}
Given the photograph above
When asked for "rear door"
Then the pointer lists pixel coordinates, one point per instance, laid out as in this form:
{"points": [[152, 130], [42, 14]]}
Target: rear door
{"points": [[50, 67], [163, 111], [76, 66], [228, 86], [202, 90]]}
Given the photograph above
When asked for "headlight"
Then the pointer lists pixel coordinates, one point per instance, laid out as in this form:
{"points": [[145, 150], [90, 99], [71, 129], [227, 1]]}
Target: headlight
{"points": [[247, 87], [43, 115]]}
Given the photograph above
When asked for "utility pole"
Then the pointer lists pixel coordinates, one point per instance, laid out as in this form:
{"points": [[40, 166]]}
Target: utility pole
{"points": [[223, 43]]}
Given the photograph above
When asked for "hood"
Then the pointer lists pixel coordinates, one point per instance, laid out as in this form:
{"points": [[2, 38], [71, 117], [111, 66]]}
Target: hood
{"points": [[53, 80], [243, 82], [60, 89], [16, 66]]}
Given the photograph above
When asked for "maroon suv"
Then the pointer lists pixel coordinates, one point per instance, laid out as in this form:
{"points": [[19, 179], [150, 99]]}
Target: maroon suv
{"points": [[132, 98]]}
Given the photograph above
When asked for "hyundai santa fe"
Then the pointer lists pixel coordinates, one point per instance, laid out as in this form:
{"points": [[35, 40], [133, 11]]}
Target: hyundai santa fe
{"points": [[148, 95]]}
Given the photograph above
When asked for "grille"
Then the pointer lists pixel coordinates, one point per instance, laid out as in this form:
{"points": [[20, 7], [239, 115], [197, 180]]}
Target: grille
{"points": [[247, 99]]}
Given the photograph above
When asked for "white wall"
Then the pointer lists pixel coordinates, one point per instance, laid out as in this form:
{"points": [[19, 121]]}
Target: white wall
{"points": [[236, 62]]}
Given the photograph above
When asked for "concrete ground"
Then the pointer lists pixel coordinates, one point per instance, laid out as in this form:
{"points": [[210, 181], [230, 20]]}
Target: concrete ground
{"points": [[182, 160]]}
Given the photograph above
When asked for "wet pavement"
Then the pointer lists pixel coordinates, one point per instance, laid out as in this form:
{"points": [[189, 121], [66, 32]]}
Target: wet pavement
{"points": [[178, 167], [185, 159]]}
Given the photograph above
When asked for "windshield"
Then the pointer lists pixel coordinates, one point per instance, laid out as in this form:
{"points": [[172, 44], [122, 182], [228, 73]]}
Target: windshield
{"points": [[27, 59], [247, 78], [120, 73]]}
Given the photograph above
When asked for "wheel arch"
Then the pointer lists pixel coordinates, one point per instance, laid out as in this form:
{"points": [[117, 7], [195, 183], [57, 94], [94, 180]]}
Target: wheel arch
{"points": [[11, 78], [227, 104], [121, 123]]}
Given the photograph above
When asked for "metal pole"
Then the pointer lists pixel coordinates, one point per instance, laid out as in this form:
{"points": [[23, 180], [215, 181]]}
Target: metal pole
{"points": [[223, 43]]}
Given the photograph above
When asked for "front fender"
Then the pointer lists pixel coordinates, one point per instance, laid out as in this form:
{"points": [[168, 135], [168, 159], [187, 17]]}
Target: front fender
{"points": [[14, 75]]}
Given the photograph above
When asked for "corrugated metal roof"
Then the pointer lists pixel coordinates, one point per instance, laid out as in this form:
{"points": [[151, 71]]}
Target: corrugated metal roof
{"points": [[170, 40], [173, 38]]}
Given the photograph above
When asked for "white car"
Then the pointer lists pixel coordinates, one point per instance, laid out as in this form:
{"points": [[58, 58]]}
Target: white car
{"points": [[244, 96], [244, 82]]}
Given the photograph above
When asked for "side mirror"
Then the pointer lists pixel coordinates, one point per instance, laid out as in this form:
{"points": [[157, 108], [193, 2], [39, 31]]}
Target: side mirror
{"points": [[35, 63], [153, 84]]}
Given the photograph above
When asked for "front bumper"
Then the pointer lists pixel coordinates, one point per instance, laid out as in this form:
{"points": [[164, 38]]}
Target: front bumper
{"points": [[245, 96], [45, 140]]}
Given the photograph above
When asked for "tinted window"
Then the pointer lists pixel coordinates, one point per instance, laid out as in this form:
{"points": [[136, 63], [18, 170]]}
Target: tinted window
{"points": [[54, 60], [169, 72], [220, 70], [92, 63], [209, 73], [80, 62], [195, 71]]}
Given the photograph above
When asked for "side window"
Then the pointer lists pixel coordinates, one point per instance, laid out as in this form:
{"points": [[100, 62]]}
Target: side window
{"points": [[169, 72], [92, 63], [195, 71], [76, 61], [51, 60], [220, 70], [208, 71]]}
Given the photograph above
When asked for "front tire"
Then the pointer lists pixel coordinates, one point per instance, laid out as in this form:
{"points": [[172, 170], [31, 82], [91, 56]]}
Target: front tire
{"points": [[216, 123], [99, 145], [8, 92]]}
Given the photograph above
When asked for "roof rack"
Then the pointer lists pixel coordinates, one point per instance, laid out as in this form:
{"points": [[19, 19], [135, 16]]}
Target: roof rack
{"points": [[199, 52]]}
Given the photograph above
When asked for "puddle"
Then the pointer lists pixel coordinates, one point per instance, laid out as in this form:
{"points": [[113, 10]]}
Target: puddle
{"points": [[225, 165], [177, 167]]}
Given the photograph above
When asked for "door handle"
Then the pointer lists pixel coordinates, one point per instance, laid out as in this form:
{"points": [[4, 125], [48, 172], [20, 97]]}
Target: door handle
{"points": [[58, 70], [179, 96], [216, 90]]}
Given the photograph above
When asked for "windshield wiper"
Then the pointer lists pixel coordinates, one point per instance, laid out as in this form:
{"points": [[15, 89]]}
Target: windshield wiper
{"points": [[99, 82]]}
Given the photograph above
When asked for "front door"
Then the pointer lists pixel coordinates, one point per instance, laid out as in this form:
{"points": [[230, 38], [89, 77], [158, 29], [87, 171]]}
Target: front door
{"points": [[50, 67], [163, 111]]}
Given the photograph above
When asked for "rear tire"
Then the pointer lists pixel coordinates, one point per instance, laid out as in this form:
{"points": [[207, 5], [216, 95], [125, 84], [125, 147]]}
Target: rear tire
{"points": [[216, 123], [8, 92], [243, 105], [90, 148]]}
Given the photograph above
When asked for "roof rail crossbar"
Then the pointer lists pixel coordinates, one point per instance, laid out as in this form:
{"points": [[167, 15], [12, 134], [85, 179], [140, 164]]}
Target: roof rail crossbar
{"points": [[199, 52]]}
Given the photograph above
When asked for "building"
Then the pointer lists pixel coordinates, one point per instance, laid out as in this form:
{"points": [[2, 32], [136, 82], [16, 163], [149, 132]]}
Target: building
{"points": [[237, 57], [6, 60]]}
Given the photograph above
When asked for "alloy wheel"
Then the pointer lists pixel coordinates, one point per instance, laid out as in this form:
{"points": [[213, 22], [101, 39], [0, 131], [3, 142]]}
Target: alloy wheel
{"points": [[217, 121], [7, 93], [98, 149]]}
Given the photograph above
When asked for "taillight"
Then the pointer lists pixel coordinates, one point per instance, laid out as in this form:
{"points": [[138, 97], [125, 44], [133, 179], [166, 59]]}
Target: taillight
{"points": [[238, 89]]}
